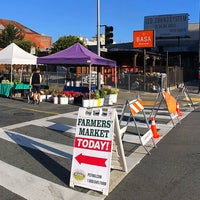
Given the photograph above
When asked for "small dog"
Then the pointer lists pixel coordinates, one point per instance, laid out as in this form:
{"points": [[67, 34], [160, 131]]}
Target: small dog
{"points": [[30, 96]]}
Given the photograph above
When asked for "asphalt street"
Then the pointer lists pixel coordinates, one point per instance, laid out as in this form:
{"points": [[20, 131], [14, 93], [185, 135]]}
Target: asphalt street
{"points": [[36, 145], [171, 172]]}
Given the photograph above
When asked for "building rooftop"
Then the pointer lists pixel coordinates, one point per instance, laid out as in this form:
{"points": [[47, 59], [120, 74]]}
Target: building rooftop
{"points": [[41, 41]]}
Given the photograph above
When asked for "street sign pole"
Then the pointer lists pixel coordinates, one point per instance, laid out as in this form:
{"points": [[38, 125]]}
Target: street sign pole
{"points": [[144, 69]]}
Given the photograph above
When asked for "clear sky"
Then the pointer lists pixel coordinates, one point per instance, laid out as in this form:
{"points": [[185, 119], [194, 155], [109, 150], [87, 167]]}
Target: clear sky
{"points": [[79, 17]]}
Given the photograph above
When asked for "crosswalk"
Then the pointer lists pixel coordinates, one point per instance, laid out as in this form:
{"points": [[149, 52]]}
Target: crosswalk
{"points": [[36, 164]]}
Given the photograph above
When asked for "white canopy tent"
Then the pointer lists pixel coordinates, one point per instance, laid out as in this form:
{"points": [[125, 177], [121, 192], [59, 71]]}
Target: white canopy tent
{"points": [[14, 55]]}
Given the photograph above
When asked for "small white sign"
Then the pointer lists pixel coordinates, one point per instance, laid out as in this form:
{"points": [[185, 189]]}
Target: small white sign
{"points": [[33, 50]]}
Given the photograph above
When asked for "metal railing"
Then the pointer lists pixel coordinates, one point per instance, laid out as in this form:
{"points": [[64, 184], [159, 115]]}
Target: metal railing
{"points": [[126, 81]]}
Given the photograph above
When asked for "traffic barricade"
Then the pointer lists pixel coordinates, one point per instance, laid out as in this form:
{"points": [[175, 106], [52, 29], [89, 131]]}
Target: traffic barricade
{"points": [[136, 106], [183, 91], [170, 103]]}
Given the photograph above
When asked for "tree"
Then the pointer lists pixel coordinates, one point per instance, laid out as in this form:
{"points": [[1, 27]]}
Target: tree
{"points": [[9, 34], [13, 34], [65, 42], [25, 45]]}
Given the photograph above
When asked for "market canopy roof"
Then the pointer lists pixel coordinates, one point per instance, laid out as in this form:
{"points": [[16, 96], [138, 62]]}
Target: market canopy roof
{"points": [[13, 54], [76, 55]]}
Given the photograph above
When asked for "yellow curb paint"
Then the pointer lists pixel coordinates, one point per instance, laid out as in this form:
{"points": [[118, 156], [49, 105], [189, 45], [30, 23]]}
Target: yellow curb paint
{"points": [[40, 111], [149, 103], [193, 99]]}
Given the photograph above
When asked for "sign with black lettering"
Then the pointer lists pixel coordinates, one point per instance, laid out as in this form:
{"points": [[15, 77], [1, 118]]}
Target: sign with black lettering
{"points": [[92, 154], [171, 25]]}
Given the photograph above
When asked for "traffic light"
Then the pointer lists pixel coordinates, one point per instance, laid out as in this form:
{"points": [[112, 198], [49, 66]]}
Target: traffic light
{"points": [[108, 35]]}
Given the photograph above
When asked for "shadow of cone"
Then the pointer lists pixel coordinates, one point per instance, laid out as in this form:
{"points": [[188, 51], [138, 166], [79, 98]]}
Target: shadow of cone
{"points": [[153, 128], [178, 110]]}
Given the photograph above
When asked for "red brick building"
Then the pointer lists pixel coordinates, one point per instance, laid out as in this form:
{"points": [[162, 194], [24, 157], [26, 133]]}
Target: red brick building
{"points": [[41, 41]]}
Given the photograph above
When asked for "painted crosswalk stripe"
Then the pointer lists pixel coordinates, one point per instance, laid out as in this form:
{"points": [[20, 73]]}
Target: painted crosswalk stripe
{"points": [[33, 187], [39, 144]]}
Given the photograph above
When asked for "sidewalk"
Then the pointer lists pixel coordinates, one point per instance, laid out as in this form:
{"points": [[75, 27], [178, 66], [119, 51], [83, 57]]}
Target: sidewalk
{"points": [[171, 172], [150, 97], [130, 95]]}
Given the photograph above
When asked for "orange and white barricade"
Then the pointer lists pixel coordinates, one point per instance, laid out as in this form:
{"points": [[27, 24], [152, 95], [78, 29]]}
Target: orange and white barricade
{"points": [[170, 104], [135, 107]]}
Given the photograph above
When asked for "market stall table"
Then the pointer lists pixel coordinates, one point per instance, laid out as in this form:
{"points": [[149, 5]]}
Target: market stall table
{"points": [[8, 89], [5, 89], [78, 89]]}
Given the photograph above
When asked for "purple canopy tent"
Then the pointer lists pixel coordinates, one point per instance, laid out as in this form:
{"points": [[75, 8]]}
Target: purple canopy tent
{"points": [[76, 55]]}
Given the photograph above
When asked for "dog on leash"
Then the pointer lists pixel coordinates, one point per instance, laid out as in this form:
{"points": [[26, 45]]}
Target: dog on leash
{"points": [[30, 96]]}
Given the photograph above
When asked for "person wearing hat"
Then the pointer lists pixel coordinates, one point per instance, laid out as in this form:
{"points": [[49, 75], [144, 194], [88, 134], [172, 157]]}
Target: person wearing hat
{"points": [[35, 81]]}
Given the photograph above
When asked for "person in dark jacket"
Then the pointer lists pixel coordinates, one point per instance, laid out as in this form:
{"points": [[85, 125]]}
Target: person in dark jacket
{"points": [[35, 81]]}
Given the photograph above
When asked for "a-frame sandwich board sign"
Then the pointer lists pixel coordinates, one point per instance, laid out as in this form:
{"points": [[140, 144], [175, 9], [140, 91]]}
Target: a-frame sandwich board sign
{"points": [[118, 156], [95, 139], [182, 90], [169, 102], [136, 106]]}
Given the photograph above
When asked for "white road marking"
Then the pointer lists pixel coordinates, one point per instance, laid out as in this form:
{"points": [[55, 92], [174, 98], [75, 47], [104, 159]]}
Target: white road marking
{"points": [[39, 144], [35, 188], [32, 187]]}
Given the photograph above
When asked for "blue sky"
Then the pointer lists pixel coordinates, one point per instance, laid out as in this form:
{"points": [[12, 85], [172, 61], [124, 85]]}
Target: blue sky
{"points": [[79, 17]]}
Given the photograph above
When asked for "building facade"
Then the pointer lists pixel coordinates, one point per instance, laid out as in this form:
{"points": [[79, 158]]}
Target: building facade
{"points": [[182, 52], [42, 42]]}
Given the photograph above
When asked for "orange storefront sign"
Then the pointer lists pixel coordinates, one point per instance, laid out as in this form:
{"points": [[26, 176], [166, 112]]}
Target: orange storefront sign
{"points": [[143, 39]]}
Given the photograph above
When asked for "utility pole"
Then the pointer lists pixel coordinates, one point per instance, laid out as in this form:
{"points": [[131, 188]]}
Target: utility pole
{"points": [[199, 58], [98, 27], [98, 45]]}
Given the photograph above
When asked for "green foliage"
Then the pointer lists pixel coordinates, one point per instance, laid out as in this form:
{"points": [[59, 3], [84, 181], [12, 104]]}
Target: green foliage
{"points": [[102, 93], [109, 90], [24, 44], [64, 42], [9, 35], [114, 91], [96, 94], [12, 34]]}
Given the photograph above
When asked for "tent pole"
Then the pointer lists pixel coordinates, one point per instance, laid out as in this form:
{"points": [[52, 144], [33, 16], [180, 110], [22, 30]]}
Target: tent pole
{"points": [[115, 76], [11, 71], [20, 76], [90, 81], [90, 65]]}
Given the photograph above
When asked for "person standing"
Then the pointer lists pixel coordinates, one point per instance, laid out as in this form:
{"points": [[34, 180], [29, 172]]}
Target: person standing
{"points": [[35, 81]]}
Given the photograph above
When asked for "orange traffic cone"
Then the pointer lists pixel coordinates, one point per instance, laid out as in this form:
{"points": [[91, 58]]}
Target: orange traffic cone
{"points": [[178, 110], [153, 128]]}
